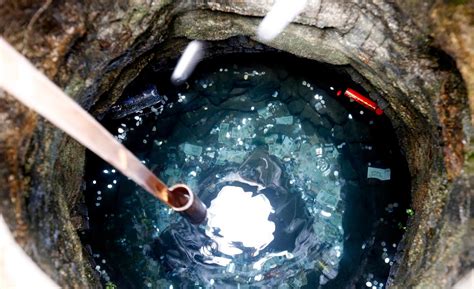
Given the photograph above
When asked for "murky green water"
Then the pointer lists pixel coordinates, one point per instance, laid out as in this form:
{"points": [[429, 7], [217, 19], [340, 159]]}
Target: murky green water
{"points": [[305, 189]]}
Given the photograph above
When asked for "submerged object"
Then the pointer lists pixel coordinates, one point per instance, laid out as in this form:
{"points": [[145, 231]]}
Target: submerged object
{"points": [[23, 81], [283, 184], [146, 98], [359, 98]]}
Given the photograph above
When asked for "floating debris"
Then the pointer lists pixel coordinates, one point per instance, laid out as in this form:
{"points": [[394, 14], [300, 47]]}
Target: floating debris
{"points": [[149, 97], [233, 156], [285, 120], [363, 100], [301, 159], [377, 173], [264, 112], [192, 150]]}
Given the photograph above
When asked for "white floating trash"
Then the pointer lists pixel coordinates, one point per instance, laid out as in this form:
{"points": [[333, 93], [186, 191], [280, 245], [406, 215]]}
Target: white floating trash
{"points": [[377, 173]]}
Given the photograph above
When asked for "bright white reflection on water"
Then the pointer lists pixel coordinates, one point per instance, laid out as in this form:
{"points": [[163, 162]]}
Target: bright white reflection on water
{"points": [[237, 216]]}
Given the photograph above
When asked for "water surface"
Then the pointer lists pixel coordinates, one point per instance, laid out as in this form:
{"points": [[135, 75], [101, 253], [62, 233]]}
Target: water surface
{"points": [[305, 189]]}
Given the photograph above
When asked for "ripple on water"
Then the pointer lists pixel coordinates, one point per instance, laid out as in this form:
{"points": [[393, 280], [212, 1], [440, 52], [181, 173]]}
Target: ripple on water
{"points": [[282, 165]]}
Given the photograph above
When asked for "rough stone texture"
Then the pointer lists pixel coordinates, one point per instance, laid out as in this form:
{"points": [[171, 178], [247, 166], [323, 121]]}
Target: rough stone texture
{"points": [[41, 172], [93, 49]]}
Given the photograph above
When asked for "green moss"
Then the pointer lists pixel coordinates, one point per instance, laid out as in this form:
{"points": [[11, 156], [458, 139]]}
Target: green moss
{"points": [[75, 85], [138, 14], [110, 285], [470, 158]]}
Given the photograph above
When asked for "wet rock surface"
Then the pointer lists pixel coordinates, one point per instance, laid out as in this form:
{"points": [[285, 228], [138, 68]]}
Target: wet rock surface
{"points": [[385, 46]]}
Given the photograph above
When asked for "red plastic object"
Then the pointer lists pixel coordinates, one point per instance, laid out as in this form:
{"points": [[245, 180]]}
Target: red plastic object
{"points": [[354, 95]]}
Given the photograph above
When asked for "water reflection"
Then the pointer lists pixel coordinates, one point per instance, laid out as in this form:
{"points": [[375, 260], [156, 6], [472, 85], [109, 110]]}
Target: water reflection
{"points": [[281, 165], [267, 222], [235, 216]]}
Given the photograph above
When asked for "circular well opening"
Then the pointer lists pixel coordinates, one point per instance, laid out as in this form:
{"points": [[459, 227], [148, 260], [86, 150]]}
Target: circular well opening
{"points": [[320, 187]]}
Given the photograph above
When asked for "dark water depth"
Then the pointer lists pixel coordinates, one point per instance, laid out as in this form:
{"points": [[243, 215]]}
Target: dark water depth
{"points": [[305, 188]]}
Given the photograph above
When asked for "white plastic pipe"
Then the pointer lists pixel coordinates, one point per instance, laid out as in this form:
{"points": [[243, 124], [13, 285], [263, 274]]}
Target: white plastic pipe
{"points": [[188, 61], [280, 15]]}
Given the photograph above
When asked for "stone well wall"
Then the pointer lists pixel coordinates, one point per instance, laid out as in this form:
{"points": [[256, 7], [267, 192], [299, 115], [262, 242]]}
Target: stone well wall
{"points": [[414, 57]]}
